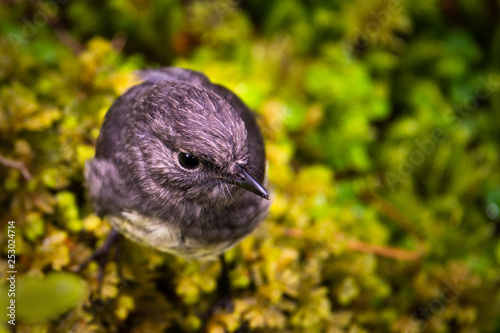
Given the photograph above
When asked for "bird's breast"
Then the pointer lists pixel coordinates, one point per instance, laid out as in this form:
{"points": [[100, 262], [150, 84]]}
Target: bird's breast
{"points": [[166, 237]]}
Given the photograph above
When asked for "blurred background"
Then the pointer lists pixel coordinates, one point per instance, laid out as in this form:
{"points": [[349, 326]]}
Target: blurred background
{"points": [[382, 127]]}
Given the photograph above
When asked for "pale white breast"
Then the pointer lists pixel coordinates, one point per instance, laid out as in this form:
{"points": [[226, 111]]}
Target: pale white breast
{"points": [[165, 237]]}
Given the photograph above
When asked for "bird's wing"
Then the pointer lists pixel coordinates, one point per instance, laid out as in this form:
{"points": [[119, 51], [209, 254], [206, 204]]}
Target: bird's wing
{"points": [[107, 189], [109, 142], [256, 145]]}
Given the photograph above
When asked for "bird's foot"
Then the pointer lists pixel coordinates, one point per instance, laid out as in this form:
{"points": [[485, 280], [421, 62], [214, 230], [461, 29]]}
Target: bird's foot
{"points": [[225, 296], [101, 255], [224, 303]]}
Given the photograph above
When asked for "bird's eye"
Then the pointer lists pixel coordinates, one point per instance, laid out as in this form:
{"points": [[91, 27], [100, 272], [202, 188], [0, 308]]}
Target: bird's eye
{"points": [[188, 161]]}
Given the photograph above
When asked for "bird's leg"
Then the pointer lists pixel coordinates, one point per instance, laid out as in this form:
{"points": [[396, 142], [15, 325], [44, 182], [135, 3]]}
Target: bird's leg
{"points": [[117, 258], [102, 255], [225, 297]]}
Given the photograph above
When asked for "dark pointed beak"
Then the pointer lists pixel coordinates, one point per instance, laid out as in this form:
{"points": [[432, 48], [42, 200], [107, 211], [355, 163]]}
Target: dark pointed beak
{"points": [[244, 180]]}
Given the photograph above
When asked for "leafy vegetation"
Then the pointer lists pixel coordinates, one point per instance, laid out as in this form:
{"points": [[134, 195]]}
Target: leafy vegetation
{"points": [[381, 126]]}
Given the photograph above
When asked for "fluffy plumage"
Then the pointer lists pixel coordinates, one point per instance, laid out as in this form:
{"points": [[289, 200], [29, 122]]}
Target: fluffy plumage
{"points": [[137, 180]]}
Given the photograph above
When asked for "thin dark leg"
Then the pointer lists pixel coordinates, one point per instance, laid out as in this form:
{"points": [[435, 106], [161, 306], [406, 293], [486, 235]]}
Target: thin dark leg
{"points": [[224, 294], [102, 254], [223, 282], [225, 300], [118, 263]]}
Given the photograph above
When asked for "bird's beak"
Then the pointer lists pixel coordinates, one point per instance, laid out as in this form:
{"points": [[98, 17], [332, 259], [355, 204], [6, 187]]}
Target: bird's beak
{"points": [[244, 180]]}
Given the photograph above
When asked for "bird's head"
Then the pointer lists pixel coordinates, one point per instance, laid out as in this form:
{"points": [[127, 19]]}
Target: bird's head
{"points": [[186, 141]]}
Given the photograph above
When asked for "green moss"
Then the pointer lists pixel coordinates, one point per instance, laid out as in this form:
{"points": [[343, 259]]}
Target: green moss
{"points": [[381, 127]]}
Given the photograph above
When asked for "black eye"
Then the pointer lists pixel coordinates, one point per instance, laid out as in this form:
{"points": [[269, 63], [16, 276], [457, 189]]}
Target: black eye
{"points": [[188, 161]]}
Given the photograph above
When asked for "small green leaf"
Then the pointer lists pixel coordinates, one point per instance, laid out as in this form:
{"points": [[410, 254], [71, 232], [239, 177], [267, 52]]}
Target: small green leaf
{"points": [[39, 299]]}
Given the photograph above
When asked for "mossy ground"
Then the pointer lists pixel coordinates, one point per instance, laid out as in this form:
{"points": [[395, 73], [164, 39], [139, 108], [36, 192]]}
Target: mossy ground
{"points": [[381, 122]]}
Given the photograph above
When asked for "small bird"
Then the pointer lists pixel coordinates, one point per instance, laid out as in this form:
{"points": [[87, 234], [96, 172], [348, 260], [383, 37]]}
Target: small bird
{"points": [[180, 165]]}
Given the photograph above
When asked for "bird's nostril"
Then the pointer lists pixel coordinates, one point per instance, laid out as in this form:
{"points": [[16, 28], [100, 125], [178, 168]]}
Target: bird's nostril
{"points": [[240, 178]]}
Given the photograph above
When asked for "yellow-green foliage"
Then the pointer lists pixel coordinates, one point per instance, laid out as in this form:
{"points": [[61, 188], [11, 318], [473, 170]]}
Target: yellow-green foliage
{"points": [[381, 127]]}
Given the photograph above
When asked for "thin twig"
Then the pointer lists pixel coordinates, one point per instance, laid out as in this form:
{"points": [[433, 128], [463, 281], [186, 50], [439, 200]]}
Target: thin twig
{"points": [[61, 32], [356, 245], [383, 251], [16, 165], [65, 37], [385, 207], [118, 42]]}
